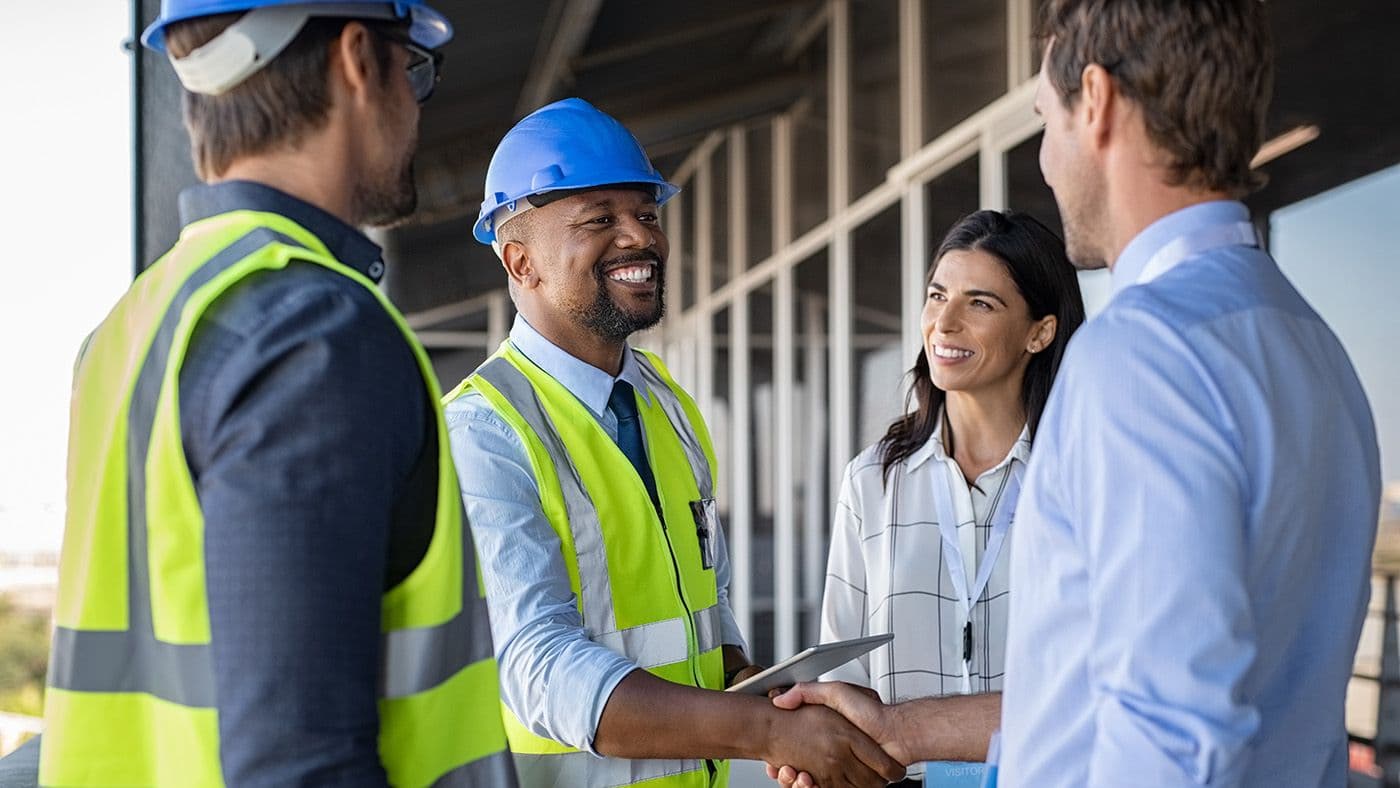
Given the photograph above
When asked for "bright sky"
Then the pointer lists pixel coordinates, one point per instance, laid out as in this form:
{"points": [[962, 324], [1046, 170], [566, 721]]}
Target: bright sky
{"points": [[1341, 249], [66, 202]]}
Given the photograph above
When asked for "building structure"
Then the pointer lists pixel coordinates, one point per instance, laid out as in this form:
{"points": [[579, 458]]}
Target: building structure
{"points": [[823, 147]]}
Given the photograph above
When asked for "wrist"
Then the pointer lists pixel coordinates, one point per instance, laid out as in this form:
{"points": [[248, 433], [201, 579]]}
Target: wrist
{"points": [[895, 726]]}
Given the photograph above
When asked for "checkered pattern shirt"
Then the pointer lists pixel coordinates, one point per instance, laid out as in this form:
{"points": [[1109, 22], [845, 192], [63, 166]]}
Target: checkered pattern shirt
{"points": [[888, 572]]}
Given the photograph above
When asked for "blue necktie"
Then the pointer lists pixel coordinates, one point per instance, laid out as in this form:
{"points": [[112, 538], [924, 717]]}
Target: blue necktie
{"points": [[623, 405]]}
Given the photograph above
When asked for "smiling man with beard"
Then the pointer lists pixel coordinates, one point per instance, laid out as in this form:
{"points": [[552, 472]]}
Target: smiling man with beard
{"points": [[588, 477]]}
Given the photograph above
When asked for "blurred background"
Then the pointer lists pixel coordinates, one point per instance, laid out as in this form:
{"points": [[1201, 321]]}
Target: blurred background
{"points": [[824, 146]]}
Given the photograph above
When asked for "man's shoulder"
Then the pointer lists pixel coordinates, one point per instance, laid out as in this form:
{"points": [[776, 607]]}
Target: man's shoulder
{"points": [[318, 296]]}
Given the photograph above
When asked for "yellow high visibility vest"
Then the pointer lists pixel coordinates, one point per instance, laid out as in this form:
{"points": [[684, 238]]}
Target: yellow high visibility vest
{"points": [[640, 579], [130, 697]]}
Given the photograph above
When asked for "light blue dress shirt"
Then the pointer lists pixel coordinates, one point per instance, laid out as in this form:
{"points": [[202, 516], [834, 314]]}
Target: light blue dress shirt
{"points": [[553, 677], [1193, 545]]}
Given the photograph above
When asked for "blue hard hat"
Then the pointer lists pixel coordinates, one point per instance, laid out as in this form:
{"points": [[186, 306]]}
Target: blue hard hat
{"points": [[567, 145], [427, 28]]}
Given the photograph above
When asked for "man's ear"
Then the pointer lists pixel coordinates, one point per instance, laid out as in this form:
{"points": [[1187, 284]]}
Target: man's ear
{"points": [[354, 63], [519, 265], [1098, 96]]}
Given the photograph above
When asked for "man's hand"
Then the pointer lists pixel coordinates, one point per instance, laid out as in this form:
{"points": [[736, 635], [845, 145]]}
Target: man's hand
{"points": [[952, 728], [742, 675], [831, 751], [859, 705]]}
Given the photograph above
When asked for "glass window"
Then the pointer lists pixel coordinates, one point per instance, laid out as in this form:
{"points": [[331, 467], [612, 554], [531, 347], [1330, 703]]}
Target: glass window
{"points": [[684, 204], [718, 418], [719, 216], [759, 173], [874, 92], [762, 457], [809, 172], [878, 367], [948, 198], [811, 470], [964, 60]]}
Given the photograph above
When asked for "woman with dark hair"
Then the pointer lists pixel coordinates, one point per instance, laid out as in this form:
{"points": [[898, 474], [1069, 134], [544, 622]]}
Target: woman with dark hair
{"points": [[919, 545]]}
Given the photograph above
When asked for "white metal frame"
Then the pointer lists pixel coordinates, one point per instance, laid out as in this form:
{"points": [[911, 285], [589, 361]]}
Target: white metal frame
{"points": [[827, 324]]}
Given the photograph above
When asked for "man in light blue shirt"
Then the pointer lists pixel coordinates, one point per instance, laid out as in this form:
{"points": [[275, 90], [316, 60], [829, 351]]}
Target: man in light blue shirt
{"points": [[1192, 551], [1191, 554]]}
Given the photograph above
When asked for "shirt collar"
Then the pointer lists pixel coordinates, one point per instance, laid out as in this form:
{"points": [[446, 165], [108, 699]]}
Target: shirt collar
{"points": [[1174, 225], [345, 243], [591, 385], [933, 448]]}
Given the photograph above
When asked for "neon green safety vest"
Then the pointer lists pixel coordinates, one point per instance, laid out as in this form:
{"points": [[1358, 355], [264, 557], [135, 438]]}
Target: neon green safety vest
{"points": [[130, 697], [641, 584]]}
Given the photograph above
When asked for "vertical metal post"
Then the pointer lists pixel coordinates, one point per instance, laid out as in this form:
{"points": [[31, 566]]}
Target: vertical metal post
{"points": [[784, 400], [914, 248], [913, 265], [741, 437], [840, 297], [911, 77], [1020, 27], [1388, 713], [704, 320], [991, 174], [814, 495], [138, 166], [675, 266]]}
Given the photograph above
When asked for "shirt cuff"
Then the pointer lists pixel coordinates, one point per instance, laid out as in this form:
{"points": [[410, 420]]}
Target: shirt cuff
{"points": [[615, 673]]}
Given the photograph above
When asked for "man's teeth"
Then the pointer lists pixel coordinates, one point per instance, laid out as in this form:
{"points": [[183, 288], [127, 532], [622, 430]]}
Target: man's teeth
{"points": [[951, 352], [632, 273]]}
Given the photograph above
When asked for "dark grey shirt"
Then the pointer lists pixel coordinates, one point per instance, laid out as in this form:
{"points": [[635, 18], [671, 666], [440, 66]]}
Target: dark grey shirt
{"points": [[310, 437]]}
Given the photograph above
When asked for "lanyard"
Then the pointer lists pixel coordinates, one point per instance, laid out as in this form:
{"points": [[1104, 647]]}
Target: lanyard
{"points": [[952, 550], [1203, 240]]}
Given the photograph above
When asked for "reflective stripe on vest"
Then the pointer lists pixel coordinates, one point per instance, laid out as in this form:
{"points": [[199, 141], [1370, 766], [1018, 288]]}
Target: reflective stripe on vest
{"points": [[699, 464], [649, 645], [665, 646], [447, 663], [494, 770], [584, 770]]}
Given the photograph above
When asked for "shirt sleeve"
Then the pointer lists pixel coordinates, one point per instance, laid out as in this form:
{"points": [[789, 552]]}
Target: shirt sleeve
{"points": [[1157, 493], [730, 634], [843, 613], [303, 413], [553, 678]]}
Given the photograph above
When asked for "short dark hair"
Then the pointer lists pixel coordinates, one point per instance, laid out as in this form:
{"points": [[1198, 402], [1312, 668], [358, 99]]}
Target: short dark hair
{"points": [[1034, 257], [1201, 70], [277, 106]]}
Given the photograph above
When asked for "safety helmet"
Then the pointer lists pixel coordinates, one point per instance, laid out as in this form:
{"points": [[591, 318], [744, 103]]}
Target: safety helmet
{"points": [[269, 26], [565, 146]]}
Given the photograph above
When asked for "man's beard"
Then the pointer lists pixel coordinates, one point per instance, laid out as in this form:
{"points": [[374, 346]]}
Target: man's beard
{"points": [[606, 318], [1084, 223], [387, 198]]}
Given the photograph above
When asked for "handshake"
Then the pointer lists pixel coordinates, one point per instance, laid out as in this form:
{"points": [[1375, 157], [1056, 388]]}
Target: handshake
{"points": [[842, 734], [838, 734]]}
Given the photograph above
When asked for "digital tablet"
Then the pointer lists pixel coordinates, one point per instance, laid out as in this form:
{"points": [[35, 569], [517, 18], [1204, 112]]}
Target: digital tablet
{"points": [[809, 665]]}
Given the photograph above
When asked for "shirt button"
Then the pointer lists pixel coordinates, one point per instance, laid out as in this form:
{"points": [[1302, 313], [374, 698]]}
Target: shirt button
{"points": [[376, 269]]}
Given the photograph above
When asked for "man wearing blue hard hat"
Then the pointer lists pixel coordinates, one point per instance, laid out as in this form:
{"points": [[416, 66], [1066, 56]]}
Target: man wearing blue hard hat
{"points": [[266, 574], [588, 476]]}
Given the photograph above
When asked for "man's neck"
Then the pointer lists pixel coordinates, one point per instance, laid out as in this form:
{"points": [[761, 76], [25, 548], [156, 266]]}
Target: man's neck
{"points": [[1138, 200], [302, 175], [984, 426], [583, 345]]}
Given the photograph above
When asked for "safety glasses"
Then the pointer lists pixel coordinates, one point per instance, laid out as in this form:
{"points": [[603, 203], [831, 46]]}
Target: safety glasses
{"points": [[424, 65]]}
